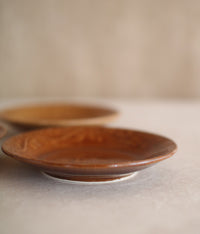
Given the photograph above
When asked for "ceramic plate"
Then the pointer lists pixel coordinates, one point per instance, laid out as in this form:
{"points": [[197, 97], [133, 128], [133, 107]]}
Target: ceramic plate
{"points": [[58, 114], [91, 154]]}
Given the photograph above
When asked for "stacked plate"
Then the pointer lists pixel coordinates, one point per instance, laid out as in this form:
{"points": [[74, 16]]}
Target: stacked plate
{"points": [[2, 131], [72, 143]]}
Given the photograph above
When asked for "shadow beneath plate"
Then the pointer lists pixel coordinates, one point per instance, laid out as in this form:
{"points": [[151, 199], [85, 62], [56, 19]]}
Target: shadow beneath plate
{"points": [[31, 179]]}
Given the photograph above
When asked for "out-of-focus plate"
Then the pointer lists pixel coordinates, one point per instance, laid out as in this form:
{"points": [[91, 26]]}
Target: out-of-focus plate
{"points": [[91, 154], [58, 114], [2, 131]]}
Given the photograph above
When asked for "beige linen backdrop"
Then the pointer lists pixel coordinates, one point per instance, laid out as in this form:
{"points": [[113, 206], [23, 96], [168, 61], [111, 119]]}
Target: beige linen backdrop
{"points": [[100, 48]]}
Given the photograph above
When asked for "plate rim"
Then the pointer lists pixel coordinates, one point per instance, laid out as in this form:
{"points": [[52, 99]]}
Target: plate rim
{"points": [[100, 167]]}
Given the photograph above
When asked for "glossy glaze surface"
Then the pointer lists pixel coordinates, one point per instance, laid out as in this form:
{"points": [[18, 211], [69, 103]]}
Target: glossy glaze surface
{"points": [[89, 153], [58, 114]]}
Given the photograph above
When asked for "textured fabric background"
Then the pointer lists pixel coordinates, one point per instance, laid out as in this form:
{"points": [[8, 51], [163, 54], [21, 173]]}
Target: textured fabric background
{"points": [[120, 48]]}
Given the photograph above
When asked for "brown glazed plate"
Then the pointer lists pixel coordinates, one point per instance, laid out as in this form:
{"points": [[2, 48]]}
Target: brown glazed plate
{"points": [[58, 114], [89, 154]]}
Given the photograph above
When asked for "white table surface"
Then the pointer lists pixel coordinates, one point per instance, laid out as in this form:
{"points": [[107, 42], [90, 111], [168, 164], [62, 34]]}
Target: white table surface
{"points": [[162, 199]]}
